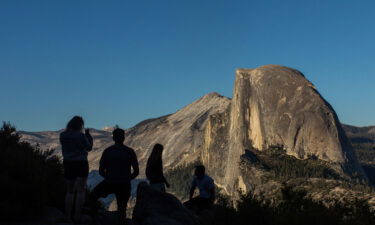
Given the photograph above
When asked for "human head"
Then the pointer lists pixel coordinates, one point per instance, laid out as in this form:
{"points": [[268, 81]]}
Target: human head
{"points": [[118, 135], [76, 124], [158, 149], [200, 171]]}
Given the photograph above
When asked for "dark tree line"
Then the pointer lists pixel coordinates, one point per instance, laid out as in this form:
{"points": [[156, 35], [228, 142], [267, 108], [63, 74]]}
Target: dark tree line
{"points": [[30, 178]]}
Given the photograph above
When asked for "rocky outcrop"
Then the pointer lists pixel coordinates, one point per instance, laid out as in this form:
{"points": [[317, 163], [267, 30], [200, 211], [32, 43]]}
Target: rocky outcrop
{"points": [[277, 106], [157, 208]]}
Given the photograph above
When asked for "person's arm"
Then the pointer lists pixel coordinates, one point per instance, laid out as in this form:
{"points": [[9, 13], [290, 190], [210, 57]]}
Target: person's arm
{"points": [[86, 141], [192, 189], [89, 139], [212, 194], [166, 182], [134, 164], [211, 190], [102, 165], [162, 174]]}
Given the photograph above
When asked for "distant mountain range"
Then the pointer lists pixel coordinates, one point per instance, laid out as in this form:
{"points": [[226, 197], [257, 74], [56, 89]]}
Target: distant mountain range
{"points": [[360, 134], [103, 139]]}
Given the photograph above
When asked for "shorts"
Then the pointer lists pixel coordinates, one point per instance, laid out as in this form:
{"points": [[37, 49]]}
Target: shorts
{"points": [[74, 169]]}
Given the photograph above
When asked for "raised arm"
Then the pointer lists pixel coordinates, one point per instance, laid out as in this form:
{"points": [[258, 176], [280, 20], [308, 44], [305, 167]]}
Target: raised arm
{"points": [[89, 139], [86, 141], [134, 164]]}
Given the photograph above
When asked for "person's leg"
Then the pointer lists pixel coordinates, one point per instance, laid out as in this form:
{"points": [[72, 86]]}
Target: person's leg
{"points": [[205, 204], [100, 191], [81, 171], [80, 187], [192, 204], [122, 198], [69, 199]]}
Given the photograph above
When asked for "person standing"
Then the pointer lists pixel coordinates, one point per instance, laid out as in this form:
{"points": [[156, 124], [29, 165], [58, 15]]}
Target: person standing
{"points": [[154, 169], [116, 166], [75, 147]]}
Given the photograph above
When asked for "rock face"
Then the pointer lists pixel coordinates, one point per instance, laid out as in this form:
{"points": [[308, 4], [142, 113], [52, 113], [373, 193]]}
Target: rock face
{"points": [[271, 105], [277, 106], [181, 133], [157, 208]]}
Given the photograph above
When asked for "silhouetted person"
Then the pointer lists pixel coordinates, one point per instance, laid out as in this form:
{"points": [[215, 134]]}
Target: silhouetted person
{"points": [[154, 169], [206, 187], [75, 146], [115, 166]]}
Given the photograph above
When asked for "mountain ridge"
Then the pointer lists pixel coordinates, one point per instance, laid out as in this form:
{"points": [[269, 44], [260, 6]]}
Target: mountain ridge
{"points": [[271, 105]]}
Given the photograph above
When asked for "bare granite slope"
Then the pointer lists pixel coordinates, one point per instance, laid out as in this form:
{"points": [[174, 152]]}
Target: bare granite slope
{"points": [[181, 134]]}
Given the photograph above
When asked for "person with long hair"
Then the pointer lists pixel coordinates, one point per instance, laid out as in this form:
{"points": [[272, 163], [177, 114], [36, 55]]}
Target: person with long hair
{"points": [[75, 146], [154, 169]]}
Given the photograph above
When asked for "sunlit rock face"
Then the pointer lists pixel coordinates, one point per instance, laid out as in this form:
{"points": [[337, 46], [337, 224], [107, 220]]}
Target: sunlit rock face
{"points": [[277, 106], [181, 133]]}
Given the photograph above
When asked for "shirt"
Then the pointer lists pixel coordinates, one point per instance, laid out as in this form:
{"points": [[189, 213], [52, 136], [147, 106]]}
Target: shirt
{"points": [[204, 185], [75, 145], [116, 162]]}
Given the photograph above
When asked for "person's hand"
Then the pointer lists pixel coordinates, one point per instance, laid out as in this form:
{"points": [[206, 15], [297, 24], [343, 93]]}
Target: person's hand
{"points": [[87, 131]]}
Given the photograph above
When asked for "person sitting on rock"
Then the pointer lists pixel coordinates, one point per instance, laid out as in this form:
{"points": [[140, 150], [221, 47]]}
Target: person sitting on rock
{"points": [[206, 186], [115, 166], [154, 169]]}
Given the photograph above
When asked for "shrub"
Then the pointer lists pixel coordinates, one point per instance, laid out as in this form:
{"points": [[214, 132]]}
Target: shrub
{"points": [[30, 178], [285, 167], [295, 209], [180, 179]]}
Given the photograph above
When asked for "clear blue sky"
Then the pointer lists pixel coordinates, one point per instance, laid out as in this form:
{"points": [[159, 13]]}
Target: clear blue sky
{"points": [[119, 62]]}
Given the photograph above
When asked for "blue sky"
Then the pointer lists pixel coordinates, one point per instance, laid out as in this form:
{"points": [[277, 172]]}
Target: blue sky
{"points": [[119, 62]]}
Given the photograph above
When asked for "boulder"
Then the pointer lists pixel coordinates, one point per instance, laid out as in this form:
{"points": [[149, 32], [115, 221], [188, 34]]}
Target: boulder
{"points": [[157, 208]]}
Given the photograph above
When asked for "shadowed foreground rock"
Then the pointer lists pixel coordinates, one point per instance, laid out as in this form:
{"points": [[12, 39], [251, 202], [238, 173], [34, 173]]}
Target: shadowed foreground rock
{"points": [[156, 208]]}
